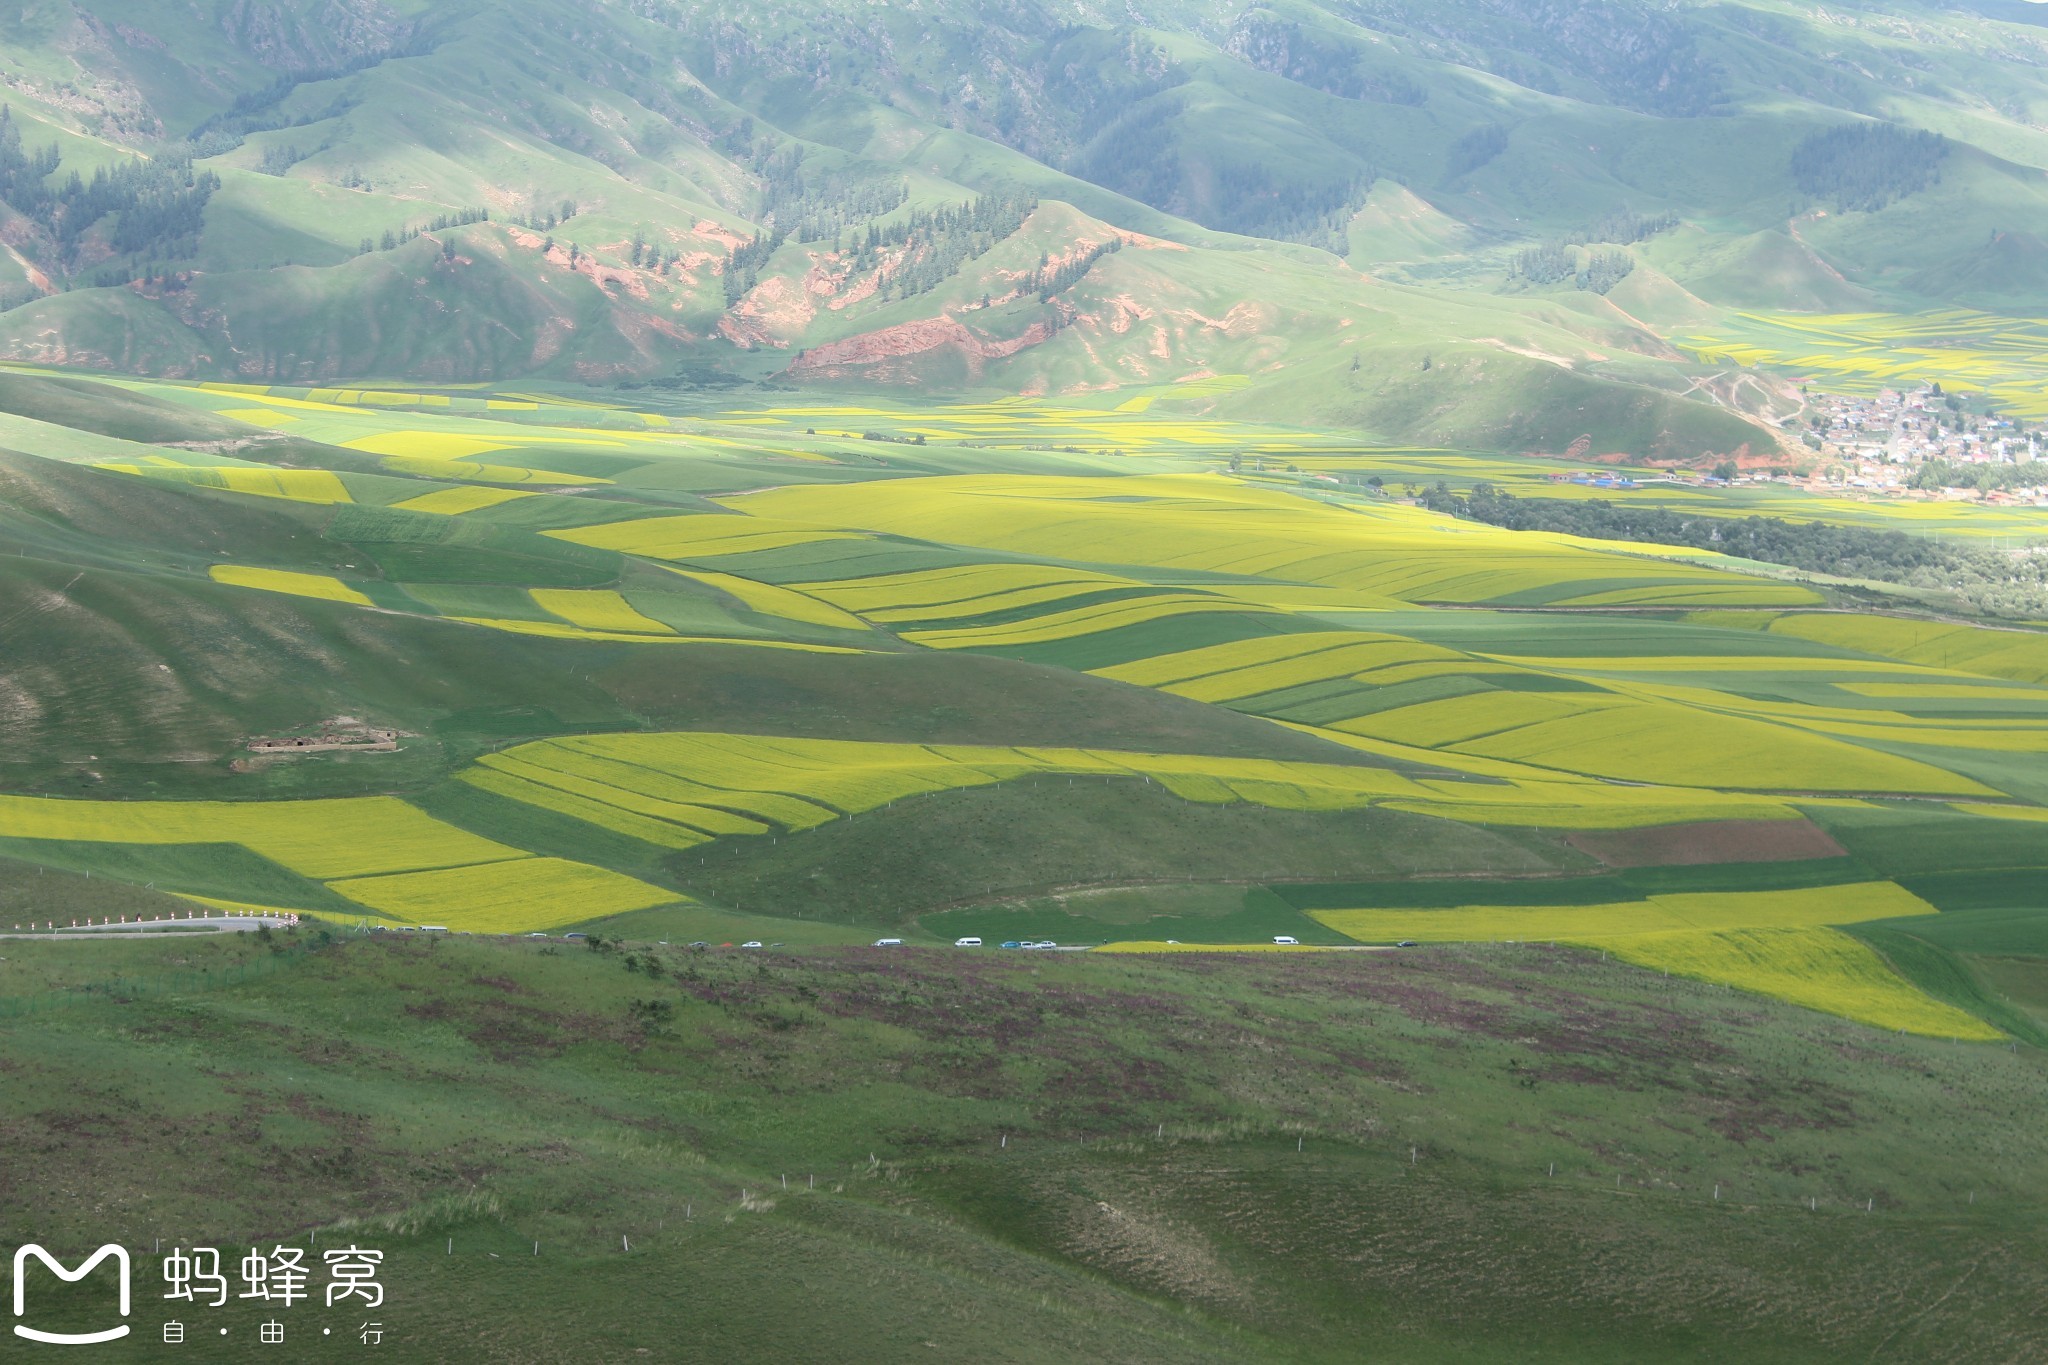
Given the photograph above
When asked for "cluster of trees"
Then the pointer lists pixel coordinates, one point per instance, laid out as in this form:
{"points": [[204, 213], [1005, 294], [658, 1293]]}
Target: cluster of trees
{"points": [[691, 374], [1327, 225], [1091, 83], [1316, 213], [1137, 155], [1475, 149], [1283, 47], [940, 241], [157, 206], [1989, 581], [224, 132], [743, 263], [1638, 56], [260, 111], [391, 240], [813, 204], [934, 243], [1864, 166], [23, 172], [1936, 474], [546, 220], [279, 159], [1605, 269], [1557, 262], [1050, 280], [648, 255], [1623, 226], [1550, 263], [1140, 156]]}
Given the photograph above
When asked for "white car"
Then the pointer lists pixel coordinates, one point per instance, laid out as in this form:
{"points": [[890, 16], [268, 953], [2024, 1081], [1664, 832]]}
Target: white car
{"points": [[1286, 941], [888, 943], [966, 943], [751, 943]]}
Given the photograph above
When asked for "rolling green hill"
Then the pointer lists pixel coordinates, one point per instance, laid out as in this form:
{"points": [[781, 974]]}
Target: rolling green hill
{"points": [[1306, 195], [1104, 674], [1189, 522]]}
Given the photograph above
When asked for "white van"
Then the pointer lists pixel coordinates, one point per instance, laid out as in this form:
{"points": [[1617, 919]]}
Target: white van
{"points": [[888, 943], [966, 943], [1286, 941]]}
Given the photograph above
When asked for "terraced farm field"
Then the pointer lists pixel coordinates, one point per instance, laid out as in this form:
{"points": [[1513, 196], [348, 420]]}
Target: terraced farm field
{"points": [[1863, 352], [659, 667]]}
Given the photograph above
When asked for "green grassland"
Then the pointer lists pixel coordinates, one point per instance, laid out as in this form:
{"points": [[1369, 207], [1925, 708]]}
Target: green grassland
{"points": [[872, 1153], [695, 483]]}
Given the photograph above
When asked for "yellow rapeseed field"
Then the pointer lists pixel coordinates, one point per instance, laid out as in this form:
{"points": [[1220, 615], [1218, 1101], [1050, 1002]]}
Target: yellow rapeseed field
{"points": [[699, 536], [530, 894], [1667, 743], [479, 472], [324, 839], [323, 586], [1464, 721], [463, 498], [683, 783], [798, 783], [950, 587], [596, 609], [772, 600], [2020, 656], [1046, 595], [318, 486], [665, 768], [562, 630], [1821, 969], [1064, 625], [604, 814], [1164, 669], [703, 818], [430, 445], [1160, 946], [296, 485], [1799, 907], [1368, 654], [1932, 691], [1220, 525], [2028, 813]]}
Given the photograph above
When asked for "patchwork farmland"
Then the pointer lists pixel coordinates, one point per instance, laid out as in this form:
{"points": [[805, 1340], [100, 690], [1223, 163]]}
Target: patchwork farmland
{"points": [[1035, 684], [636, 592]]}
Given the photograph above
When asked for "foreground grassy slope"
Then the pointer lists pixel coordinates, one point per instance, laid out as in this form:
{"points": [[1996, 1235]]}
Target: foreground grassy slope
{"points": [[1024, 1160]]}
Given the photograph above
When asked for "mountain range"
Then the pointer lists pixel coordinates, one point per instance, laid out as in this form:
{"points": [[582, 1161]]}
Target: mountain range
{"points": [[1480, 223]]}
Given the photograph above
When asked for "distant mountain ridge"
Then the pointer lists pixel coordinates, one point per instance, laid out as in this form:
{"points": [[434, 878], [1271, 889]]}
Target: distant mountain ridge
{"points": [[1362, 205]]}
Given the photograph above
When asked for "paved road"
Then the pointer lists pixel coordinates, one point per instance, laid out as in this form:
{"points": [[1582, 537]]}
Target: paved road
{"points": [[158, 928]]}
